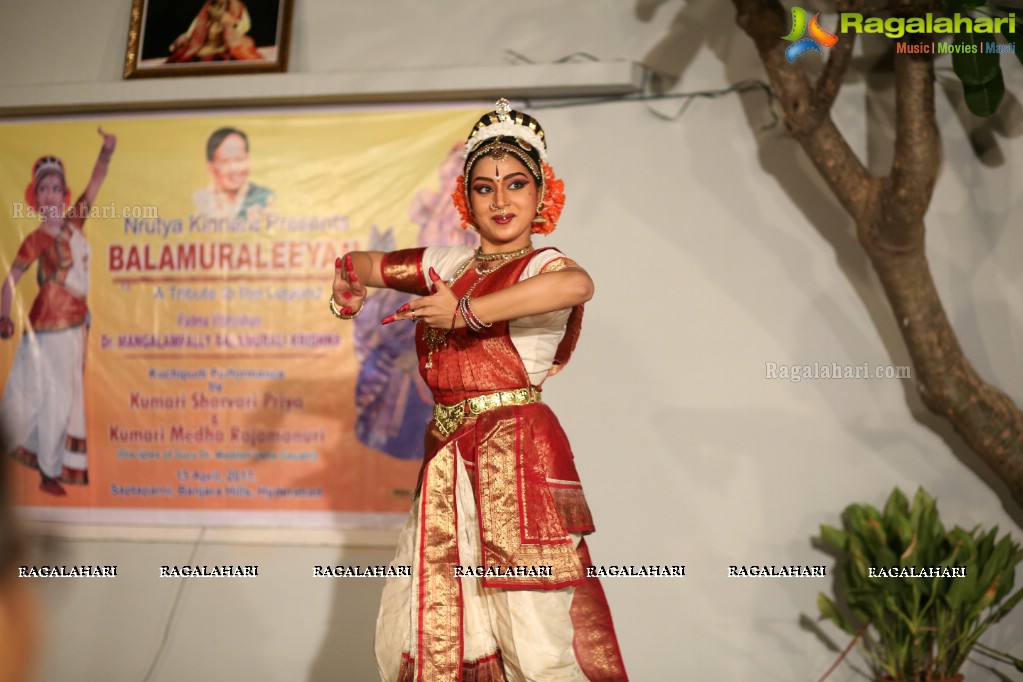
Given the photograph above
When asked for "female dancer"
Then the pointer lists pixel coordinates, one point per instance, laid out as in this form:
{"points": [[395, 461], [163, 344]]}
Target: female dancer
{"points": [[43, 407], [498, 587], [217, 33]]}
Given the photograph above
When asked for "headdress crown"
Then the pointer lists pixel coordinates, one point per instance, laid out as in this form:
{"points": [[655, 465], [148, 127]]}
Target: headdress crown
{"points": [[504, 121], [47, 163]]}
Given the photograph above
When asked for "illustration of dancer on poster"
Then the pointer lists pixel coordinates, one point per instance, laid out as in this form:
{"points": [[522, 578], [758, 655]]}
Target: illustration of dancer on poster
{"points": [[43, 405]]}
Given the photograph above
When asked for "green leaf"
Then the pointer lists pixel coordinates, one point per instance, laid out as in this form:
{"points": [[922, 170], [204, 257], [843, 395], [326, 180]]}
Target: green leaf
{"points": [[986, 544], [829, 610], [983, 100], [1008, 605], [833, 537], [897, 505], [1009, 570], [961, 591], [927, 526], [973, 66]]}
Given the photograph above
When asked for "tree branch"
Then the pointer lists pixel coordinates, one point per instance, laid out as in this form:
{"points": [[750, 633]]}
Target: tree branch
{"points": [[986, 418], [917, 152], [889, 215], [830, 80], [807, 110]]}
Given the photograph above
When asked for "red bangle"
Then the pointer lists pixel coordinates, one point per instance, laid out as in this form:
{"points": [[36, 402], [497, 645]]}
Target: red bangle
{"points": [[471, 321]]}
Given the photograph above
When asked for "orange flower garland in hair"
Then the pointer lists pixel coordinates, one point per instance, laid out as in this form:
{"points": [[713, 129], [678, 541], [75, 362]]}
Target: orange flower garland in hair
{"points": [[553, 202], [458, 196]]}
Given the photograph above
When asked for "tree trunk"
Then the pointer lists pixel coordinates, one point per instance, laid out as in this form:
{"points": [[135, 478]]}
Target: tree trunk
{"points": [[889, 215]]}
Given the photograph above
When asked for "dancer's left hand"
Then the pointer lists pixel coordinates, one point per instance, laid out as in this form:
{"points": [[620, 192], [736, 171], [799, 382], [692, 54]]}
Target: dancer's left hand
{"points": [[439, 309]]}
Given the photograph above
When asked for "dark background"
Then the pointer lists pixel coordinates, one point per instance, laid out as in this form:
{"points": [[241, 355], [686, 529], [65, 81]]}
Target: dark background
{"points": [[165, 20]]}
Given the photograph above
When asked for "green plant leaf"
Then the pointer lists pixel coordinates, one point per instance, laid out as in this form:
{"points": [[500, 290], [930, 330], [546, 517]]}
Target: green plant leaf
{"points": [[858, 562], [896, 505], [983, 100], [908, 544], [1008, 605], [834, 537], [927, 526], [986, 545], [961, 591], [918, 624], [829, 610], [973, 66], [1009, 571], [873, 526]]}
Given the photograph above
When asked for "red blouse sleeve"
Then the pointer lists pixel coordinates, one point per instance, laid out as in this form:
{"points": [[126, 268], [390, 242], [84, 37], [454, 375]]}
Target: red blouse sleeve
{"points": [[403, 270]]}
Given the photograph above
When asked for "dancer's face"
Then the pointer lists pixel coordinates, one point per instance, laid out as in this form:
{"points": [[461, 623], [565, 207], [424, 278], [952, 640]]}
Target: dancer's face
{"points": [[503, 198], [50, 196]]}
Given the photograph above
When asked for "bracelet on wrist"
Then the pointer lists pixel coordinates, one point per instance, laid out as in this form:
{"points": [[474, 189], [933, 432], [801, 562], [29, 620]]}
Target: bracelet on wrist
{"points": [[471, 321], [340, 315]]}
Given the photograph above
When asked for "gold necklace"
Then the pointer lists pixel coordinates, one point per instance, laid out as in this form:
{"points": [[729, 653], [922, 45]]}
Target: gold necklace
{"points": [[507, 255]]}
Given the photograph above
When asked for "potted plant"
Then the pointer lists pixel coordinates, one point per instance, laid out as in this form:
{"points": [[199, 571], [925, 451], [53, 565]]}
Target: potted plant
{"points": [[914, 595]]}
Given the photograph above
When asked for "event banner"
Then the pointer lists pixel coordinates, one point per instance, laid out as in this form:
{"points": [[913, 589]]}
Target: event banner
{"points": [[166, 348]]}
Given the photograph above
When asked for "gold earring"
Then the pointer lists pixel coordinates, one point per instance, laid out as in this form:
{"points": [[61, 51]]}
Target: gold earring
{"points": [[539, 219]]}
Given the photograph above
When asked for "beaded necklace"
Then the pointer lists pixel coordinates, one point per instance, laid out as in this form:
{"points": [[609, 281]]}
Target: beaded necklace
{"points": [[507, 255]]}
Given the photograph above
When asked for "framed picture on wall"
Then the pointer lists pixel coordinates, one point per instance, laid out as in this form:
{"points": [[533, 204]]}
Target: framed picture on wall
{"points": [[199, 37]]}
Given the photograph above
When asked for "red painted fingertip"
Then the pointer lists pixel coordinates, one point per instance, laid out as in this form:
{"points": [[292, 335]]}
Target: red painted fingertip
{"points": [[346, 295], [404, 309], [433, 275], [347, 310], [337, 263], [389, 319]]}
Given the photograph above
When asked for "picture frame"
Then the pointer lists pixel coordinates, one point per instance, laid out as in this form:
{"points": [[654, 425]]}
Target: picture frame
{"points": [[207, 37]]}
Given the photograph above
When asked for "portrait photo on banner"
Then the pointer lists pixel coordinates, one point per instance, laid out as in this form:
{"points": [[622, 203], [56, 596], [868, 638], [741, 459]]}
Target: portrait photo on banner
{"points": [[207, 37]]}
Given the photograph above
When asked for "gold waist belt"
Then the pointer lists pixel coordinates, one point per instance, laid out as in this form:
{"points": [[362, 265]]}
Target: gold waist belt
{"points": [[449, 417]]}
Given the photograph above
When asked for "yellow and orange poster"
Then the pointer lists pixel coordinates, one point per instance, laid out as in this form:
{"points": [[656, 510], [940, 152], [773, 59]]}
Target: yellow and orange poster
{"points": [[167, 351]]}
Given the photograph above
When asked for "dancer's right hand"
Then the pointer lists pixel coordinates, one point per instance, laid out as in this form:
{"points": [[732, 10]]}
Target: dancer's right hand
{"points": [[349, 292]]}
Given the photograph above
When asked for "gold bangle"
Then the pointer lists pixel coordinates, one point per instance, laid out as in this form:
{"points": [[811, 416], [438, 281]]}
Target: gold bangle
{"points": [[338, 314]]}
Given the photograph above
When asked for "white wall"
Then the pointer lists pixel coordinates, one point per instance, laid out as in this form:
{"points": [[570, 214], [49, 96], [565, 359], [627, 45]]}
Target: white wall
{"points": [[715, 251]]}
